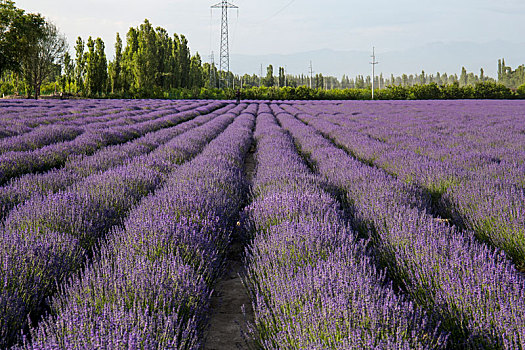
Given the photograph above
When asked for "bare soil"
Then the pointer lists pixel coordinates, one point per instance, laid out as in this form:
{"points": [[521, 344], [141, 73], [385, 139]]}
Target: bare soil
{"points": [[228, 322]]}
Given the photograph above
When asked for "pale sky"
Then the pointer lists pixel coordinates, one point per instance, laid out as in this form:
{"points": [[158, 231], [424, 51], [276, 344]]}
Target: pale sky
{"points": [[287, 26]]}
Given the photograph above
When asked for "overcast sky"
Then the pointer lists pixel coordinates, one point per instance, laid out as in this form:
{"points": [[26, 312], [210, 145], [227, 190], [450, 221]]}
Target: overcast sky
{"points": [[286, 26]]}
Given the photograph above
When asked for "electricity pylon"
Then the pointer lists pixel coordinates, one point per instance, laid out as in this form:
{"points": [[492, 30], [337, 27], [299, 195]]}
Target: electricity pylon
{"points": [[373, 63], [224, 63], [311, 71], [212, 71]]}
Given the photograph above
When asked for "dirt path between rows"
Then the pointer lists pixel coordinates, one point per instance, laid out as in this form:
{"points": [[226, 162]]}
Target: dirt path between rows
{"points": [[228, 322]]}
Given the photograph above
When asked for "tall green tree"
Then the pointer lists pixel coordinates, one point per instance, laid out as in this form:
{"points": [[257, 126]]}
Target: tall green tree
{"points": [[80, 64], [96, 78], [281, 77], [116, 67], [101, 73], [319, 81], [19, 34], [145, 59], [46, 54], [184, 61], [91, 68], [69, 70], [196, 72], [164, 45], [269, 81], [463, 79], [132, 44]]}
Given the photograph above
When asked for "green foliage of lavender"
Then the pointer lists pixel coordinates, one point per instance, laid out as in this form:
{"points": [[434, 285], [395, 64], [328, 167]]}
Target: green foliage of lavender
{"points": [[312, 284], [390, 225]]}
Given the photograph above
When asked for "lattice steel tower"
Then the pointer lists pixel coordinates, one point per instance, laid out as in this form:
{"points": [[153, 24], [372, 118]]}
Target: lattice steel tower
{"points": [[373, 63], [213, 78], [224, 64]]}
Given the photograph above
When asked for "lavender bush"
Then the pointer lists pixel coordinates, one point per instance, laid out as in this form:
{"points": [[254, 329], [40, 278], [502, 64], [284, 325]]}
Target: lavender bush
{"points": [[375, 225], [475, 291], [84, 213], [311, 283], [162, 263]]}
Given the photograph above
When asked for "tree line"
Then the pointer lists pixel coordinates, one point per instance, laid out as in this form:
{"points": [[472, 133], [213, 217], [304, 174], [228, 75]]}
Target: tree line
{"points": [[31, 48], [431, 91], [151, 63], [319, 81], [35, 56], [509, 77]]}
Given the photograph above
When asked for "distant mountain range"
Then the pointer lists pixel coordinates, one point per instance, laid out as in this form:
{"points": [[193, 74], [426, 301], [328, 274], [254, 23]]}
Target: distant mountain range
{"points": [[434, 57]]}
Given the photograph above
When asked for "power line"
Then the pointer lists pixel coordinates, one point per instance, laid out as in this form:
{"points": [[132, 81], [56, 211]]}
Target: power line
{"points": [[268, 19], [224, 61], [281, 10]]}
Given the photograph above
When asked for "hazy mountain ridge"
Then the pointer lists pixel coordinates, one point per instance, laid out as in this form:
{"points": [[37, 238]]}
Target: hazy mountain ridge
{"points": [[434, 57]]}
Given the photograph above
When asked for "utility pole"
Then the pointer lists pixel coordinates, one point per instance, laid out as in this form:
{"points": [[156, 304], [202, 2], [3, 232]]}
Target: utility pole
{"points": [[311, 74], [224, 63], [260, 76], [373, 63]]}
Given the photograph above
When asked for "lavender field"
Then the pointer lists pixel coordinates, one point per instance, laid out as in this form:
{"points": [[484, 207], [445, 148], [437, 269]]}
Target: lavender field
{"points": [[363, 225]]}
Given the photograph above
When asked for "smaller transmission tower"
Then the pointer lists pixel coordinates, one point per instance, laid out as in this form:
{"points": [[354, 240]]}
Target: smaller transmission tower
{"points": [[261, 76], [224, 62], [373, 63], [213, 78], [311, 71]]}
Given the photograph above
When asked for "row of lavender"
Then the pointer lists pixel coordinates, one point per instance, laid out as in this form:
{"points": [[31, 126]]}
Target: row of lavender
{"points": [[19, 117], [55, 133], [150, 287], [477, 180], [312, 284], [132, 236], [70, 126], [475, 292], [47, 238], [14, 164], [79, 167]]}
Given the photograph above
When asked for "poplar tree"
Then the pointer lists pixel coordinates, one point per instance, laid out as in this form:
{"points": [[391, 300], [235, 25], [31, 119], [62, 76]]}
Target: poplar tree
{"points": [[116, 67], [463, 79], [145, 67], [69, 70], [281, 77], [80, 66], [184, 61], [269, 81], [132, 44], [101, 68], [196, 74], [91, 68], [164, 45]]}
